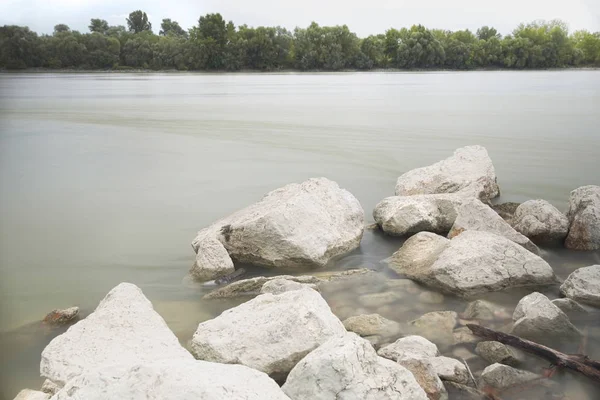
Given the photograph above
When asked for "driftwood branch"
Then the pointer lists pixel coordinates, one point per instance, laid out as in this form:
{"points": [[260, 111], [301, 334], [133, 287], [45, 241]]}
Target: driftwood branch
{"points": [[576, 362]]}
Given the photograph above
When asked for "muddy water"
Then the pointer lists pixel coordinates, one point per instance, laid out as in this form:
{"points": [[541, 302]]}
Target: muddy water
{"points": [[106, 178]]}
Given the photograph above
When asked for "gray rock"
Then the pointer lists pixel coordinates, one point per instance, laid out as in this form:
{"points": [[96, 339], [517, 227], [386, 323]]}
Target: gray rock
{"points": [[278, 286], [373, 325], [496, 352], [469, 170], [124, 329], [347, 367], [464, 335], [437, 326], [177, 380], [429, 297], [570, 307], [377, 300], [501, 376], [50, 387], [537, 319], [406, 215], [409, 347], [27, 394], [62, 317], [457, 391], [426, 376], [584, 219], [473, 262], [485, 311], [296, 226], [541, 222], [270, 333], [583, 285], [450, 369], [472, 214], [506, 210]]}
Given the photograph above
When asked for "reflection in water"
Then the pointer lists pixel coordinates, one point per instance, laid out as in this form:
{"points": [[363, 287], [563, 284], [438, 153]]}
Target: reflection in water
{"points": [[106, 178]]}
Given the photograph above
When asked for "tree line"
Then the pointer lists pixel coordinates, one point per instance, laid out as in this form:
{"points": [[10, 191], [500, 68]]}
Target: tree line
{"points": [[214, 44]]}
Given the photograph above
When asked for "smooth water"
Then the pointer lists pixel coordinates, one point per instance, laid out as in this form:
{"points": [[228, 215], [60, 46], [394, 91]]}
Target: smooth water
{"points": [[106, 177]]}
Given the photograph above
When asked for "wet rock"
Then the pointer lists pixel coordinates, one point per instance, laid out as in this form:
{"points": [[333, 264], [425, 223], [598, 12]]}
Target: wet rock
{"points": [[429, 297], [406, 215], [437, 326], [376, 300], [50, 387], [537, 319], [27, 394], [506, 210], [278, 286], [457, 391], [124, 329], [474, 215], [173, 379], [375, 326], [570, 307], [426, 376], [409, 347], [583, 285], [347, 367], [62, 317], [473, 262], [464, 336], [500, 376], [296, 226], [450, 369], [485, 311], [403, 285], [584, 219], [270, 333], [541, 222], [462, 353], [496, 352], [469, 170]]}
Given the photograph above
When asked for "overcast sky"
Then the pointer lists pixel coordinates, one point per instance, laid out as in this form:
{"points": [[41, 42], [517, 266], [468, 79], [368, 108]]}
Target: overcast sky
{"points": [[364, 17]]}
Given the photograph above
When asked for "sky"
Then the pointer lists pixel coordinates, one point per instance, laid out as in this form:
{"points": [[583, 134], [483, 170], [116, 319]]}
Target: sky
{"points": [[362, 17]]}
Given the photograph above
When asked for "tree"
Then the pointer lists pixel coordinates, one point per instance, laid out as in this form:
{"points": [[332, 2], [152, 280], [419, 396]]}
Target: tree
{"points": [[168, 27], [486, 33], [210, 39], [99, 26], [19, 47], [419, 48], [61, 28], [138, 22], [589, 46]]}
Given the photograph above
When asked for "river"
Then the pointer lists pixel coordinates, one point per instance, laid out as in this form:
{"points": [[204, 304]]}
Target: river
{"points": [[106, 177]]}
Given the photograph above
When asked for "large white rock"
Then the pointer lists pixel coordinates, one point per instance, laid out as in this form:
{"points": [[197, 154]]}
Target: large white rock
{"points": [[538, 319], [584, 219], [124, 329], [471, 263], [296, 226], [270, 333], [541, 222], [348, 368], [173, 380], [469, 170], [450, 369], [472, 214], [583, 285], [27, 394], [405, 215], [409, 347]]}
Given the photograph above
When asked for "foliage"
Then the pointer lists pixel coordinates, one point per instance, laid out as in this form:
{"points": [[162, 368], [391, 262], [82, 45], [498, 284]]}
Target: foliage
{"points": [[214, 44]]}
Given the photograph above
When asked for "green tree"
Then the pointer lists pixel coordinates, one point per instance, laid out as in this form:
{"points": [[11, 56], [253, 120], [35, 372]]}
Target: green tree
{"points": [[373, 47], [138, 22], [99, 26], [210, 39], [61, 28], [169, 27], [487, 33], [19, 47], [418, 48], [589, 46]]}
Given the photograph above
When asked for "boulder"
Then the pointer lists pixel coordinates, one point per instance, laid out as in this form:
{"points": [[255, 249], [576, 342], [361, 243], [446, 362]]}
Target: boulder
{"points": [[496, 352], [500, 376], [583, 285], [469, 170], [584, 219], [297, 226], [450, 369], [27, 394], [409, 347], [541, 222], [124, 329], [278, 286], [173, 379], [437, 326], [485, 311], [426, 376], [537, 319], [463, 335], [373, 327], [473, 262], [472, 214], [570, 307], [506, 210], [347, 367], [406, 215], [270, 333], [62, 317]]}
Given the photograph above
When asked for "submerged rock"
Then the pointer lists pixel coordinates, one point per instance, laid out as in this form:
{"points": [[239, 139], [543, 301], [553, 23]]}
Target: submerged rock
{"points": [[373, 327], [270, 333], [537, 319], [474, 215], [485, 311], [583, 285], [499, 376], [347, 367], [541, 222], [62, 317], [471, 263], [570, 307], [406, 215], [496, 352], [584, 219], [296, 226], [437, 326], [469, 171], [173, 379], [124, 329]]}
